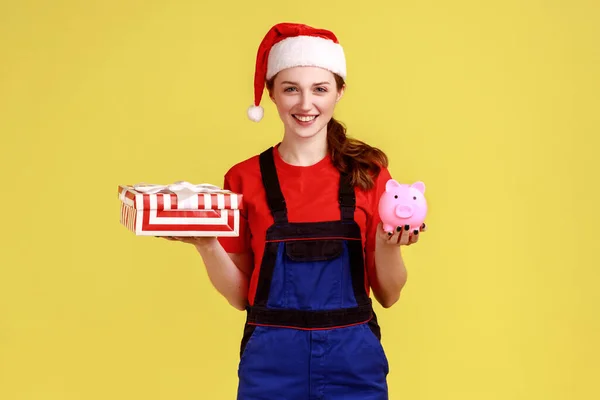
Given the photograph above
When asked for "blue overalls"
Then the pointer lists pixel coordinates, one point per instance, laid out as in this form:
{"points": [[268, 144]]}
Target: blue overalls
{"points": [[311, 332]]}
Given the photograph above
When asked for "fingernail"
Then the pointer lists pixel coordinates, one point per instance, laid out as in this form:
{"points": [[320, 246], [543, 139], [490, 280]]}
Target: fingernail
{"points": [[398, 229], [416, 231], [406, 227], [389, 233]]}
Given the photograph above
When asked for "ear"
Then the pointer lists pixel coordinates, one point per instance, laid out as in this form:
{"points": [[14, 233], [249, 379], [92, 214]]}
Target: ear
{"points": [[420, 186], [391, 185], [340, 93]]}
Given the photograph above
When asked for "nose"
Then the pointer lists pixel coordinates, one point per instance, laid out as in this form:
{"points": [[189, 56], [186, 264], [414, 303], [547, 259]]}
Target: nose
{"points": [[306, 101]]}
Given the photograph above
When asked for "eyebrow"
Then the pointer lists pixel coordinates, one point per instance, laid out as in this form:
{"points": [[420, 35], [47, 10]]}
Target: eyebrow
{"points": [[296, 83]]}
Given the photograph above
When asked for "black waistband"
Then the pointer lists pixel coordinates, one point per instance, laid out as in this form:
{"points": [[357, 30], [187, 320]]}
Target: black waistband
{"points": [[309, 319]]}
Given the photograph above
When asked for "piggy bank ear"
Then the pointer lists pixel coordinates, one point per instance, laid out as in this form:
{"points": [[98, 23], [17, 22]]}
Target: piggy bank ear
{"points": [[391, 185], [420, 186]]}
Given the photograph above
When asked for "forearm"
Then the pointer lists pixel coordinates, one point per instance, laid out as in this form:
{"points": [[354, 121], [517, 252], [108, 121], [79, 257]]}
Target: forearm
{"points": [[390, 273], [225, 276]]}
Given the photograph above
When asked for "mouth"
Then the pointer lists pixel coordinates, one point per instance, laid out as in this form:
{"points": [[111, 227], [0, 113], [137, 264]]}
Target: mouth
{"points": [[305, 119]]}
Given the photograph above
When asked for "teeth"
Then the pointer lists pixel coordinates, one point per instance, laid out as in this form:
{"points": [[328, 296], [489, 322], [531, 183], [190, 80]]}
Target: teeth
{"points": [[305, 119]]}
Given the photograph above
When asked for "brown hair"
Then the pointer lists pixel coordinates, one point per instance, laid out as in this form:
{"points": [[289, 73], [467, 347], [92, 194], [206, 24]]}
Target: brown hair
{"points": [[352, 156]]}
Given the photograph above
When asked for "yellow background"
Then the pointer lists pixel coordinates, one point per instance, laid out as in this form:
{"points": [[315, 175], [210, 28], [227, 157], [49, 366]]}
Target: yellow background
{"points": [[493, 104]]}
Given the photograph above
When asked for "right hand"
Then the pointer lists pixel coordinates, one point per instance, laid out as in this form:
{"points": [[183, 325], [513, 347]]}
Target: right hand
{"points": [[198, 241]]}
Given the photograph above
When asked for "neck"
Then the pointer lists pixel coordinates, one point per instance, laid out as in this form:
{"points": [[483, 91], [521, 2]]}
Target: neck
{"points": [[303, 152]]}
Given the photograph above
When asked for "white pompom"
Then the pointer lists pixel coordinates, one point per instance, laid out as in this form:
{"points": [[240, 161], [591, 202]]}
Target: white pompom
{"points": [[256, 113]]}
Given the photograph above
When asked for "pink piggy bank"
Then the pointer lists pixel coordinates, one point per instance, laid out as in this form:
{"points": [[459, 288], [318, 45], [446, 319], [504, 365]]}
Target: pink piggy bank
{"points": [[402, 204]]}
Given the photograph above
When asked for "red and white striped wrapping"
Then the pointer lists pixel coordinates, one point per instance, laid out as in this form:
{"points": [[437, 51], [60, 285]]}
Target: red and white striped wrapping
{"points": [[206, 211]]}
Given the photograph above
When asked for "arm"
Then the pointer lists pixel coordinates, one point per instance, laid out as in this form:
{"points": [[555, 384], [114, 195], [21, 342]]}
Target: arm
{"points": [[385, 265], [389, 277], [228, 272], [229, 260]]}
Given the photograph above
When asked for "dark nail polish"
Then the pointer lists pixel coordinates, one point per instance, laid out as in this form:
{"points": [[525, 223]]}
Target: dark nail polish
{"points": [[416, 231], [398, 229], [406, 227], [389, 233]]}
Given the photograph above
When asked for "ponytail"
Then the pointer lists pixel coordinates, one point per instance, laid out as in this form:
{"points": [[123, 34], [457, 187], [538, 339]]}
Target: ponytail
{"points": [[359, 160]]}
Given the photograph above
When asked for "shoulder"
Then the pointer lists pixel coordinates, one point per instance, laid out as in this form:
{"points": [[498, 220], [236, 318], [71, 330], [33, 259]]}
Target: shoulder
{"points": [[380, 179], [244, 174], [243, 167], [369, 198]]}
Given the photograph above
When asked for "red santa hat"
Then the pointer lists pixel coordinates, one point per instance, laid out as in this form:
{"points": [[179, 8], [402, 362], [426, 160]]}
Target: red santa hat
{"points": [[288, 45]]}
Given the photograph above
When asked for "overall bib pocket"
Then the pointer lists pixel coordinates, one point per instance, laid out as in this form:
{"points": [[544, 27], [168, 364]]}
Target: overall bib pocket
{"points": [[312, 275]]}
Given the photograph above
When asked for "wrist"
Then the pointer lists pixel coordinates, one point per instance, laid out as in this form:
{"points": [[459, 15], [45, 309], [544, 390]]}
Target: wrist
{"points": [[206, 243]]}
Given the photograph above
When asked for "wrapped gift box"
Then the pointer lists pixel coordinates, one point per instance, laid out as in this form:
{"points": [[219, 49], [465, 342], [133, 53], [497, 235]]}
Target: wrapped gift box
{"points": [[180, 209]]}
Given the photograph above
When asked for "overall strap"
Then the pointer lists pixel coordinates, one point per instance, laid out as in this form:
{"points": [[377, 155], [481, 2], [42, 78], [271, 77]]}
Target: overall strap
{"points": [[347, 198], [275, 198]]}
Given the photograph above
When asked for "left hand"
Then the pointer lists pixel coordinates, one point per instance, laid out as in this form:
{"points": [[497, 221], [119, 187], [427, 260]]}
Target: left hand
{"points": [[401, 236]]}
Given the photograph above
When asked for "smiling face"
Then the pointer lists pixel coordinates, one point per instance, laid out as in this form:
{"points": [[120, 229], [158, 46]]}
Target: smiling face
{"points": [[305, 98]]}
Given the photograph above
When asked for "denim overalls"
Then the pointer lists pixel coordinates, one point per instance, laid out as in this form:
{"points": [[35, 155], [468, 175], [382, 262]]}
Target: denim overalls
{"points": [[311, 332]]}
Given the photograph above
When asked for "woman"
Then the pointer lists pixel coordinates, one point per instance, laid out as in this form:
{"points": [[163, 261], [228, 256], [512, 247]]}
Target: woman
{"points": [[311, 245]]}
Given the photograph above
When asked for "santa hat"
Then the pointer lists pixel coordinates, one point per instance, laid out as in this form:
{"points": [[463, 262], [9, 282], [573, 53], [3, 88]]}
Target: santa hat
{"points": [[289, 45]]}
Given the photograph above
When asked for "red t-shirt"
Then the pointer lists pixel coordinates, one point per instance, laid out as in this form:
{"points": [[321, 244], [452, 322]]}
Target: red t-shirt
{"points": [[311, 195]]}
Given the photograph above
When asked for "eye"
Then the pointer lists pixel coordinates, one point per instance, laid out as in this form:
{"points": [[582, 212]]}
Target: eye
{"points": [[321, 89], [289, 89]]}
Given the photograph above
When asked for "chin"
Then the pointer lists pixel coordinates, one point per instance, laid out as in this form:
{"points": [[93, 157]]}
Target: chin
{"points": [[305, 134]]}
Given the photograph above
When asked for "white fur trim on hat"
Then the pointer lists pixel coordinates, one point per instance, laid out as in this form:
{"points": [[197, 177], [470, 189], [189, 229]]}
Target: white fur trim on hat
{"points": [[311, 51]]}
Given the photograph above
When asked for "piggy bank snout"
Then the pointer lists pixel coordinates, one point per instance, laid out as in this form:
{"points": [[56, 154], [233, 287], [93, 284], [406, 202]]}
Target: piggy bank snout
{"points": [[404, 211]]}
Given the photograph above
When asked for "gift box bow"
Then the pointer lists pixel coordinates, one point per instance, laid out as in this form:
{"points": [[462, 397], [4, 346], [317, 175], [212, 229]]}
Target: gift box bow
{"points": [[184, 191]]}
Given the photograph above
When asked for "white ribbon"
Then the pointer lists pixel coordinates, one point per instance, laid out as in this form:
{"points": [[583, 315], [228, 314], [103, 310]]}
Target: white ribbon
{"points": [[182, 189]]}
